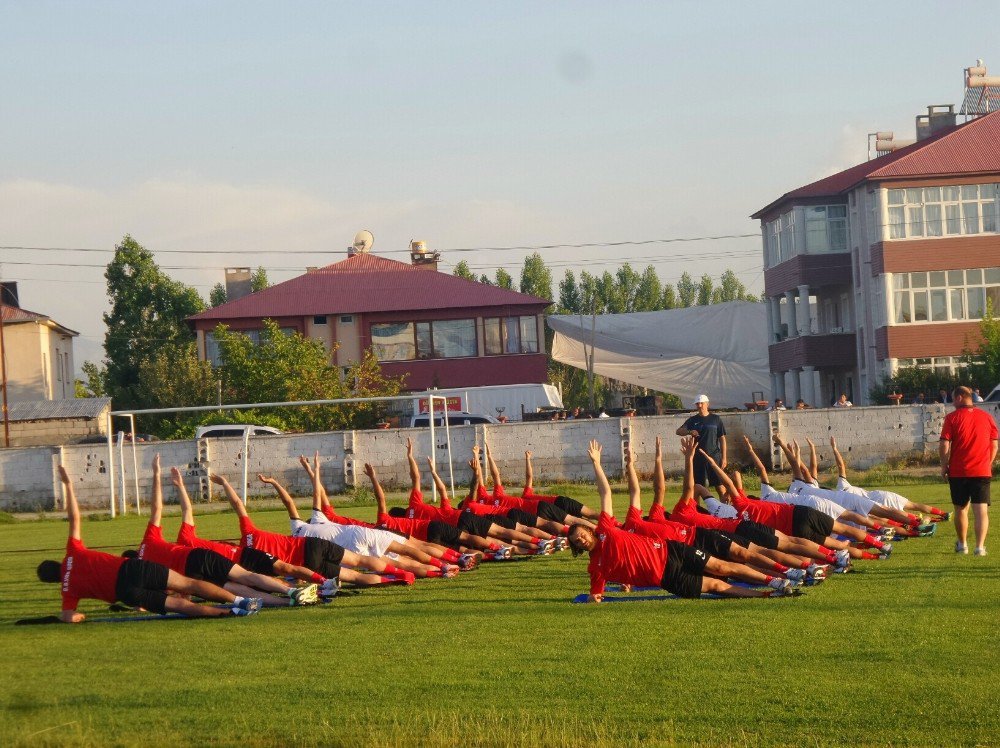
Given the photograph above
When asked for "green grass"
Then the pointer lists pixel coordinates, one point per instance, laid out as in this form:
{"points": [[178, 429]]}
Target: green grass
{"points": [[903, 653]]}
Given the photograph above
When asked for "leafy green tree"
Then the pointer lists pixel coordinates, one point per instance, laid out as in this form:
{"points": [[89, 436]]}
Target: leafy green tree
{"points": [[462, 271], [732, 289], [569, 294], [94, 384], [649, 292], [607, 292], [687, 290], [536, 279], [504, 279], [705, 288], [982, 365], [669, 297], [626, 287], [486, 279], [258, 280], [590, 298], [217, 296], [147, 314]]}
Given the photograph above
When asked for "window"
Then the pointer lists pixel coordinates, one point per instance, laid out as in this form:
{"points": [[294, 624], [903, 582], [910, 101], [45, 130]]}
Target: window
{"points": [[941, 364], [826, 228], [511, 335], [406, 341], [786, 239], [944, 295], [319, 319], [942, 211], [347, 319]]}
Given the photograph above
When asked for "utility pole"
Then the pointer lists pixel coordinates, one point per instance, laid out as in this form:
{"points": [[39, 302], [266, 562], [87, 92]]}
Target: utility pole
{"points": [[3, 379]]}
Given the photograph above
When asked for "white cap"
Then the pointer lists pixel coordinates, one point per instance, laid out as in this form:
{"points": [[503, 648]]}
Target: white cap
{"points": [[701, 399]]}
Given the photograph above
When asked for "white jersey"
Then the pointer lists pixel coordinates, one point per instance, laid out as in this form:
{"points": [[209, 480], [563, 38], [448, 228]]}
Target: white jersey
{"points": [[365, 541], [847, 499], [717, 509], [888, 499], [827, 507]]}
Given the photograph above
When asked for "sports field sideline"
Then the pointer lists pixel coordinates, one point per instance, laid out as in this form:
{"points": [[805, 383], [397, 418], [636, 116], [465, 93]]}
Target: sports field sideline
{"points": [[901, 652]]}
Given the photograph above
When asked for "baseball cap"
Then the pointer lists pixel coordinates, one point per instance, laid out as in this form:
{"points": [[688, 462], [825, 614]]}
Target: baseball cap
{"points": [[701, 399]]}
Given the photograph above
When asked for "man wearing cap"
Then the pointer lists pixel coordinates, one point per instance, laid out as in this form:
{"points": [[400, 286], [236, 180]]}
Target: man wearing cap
{"points": [[711, 434]]}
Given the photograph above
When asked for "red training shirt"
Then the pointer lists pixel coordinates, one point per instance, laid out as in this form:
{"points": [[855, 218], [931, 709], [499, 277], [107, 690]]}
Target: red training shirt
{"points": [[415, 528], [87, 573], [971, 432], [154, 548], [774, 515], [341, 520], [284, 547], [687, 512], [625, 557], [187, 536], [665, 530]]}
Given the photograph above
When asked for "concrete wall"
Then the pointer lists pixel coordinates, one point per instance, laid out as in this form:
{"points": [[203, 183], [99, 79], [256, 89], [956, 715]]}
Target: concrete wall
{"points": [[52, 431], [38, 359], [866, 436]]}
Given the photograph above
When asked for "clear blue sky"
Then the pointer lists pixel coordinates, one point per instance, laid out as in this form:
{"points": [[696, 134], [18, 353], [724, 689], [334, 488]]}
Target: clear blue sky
{"points": [[288, 127]]}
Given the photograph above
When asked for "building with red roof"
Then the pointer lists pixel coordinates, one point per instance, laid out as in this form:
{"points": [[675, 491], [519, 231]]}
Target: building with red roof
{"points": [[886, 264], [437, 329]]}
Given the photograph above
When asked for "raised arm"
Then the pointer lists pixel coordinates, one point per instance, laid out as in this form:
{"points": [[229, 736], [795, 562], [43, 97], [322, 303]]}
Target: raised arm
{"points": [[307, 466], [72, 508], [813, 460], [841, 465], [442, 489], [793, 460], [494, 470], [689, 446], [761, 470], [376, 488], [414, 468], [724, 479], [659, 479], [634, 496], [156, 505], [187, 511], [603, 487], [529, 474], [234, 498], [318, 491]]}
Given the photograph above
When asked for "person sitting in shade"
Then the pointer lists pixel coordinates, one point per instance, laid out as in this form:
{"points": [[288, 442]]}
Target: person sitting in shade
{"points": [[843, 402], [801, 404], [778, 404]]}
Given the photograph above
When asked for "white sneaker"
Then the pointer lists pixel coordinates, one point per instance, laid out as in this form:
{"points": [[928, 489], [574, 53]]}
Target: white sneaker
{"points": [[798, 576], [979, 552], [330, 588], [782, 585], [843, 558], [961, 548]]}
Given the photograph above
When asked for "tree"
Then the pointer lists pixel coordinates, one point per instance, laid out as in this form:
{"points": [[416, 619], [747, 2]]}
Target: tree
{"points": [[731, 289], [669, 297], [687, 291], [486, 279], [590, 301], [983, 364], [607, 293], [147, 314], [569, 294], [94, 385], [258, 280], [462, 271], [627, 287], [504, 279], [649, 292], [174, 376], [536, 279], [705, 290], [217, 296]]}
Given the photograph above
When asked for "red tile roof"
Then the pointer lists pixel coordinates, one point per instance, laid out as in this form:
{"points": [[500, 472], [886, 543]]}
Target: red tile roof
{"points": [[970, 148], [366, 283], [13, 314]]}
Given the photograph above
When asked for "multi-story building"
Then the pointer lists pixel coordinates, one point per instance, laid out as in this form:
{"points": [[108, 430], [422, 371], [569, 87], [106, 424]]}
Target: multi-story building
{"points": [[889, 263], [437, 329]]}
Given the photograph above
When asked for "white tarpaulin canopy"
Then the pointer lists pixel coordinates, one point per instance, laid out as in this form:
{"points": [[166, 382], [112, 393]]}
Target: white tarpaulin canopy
{"points": [[719, 350]]}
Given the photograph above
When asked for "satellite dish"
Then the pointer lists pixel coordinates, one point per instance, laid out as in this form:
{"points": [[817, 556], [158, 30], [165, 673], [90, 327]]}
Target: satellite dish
{"points": [[363, 241]]}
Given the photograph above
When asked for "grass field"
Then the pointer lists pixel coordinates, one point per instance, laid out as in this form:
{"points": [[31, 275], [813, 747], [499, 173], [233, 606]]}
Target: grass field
{"points": [[903, 653]]}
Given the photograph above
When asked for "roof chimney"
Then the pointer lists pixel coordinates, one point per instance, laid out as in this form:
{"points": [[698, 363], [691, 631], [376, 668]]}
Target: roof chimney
{"points": [[938, 117], [8, 293], [237, 283], [422, 257]]}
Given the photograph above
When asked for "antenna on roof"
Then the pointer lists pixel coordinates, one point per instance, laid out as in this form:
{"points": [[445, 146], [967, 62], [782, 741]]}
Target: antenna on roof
{"points": [[363, 241]]}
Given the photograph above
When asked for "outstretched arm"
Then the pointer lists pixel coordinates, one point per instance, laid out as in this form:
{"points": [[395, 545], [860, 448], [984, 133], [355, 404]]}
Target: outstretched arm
{"points": [[603, 487], [414, 468], [689, 446], [529, 474], [724, 479], [793, 461], [841, 465], [659, 479], [761, 470], [317, 485], [307, 466], [234, 498], [286, 498], [442, 489], [634, 497], [72, 508], [494, 470], [156, 507], [813, 460], [187, 511], [376, 488]]}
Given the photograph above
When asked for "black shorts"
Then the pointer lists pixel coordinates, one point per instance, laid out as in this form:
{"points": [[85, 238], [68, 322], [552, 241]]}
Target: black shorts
{"points": [[443, 534], [757, 534], [475, 524], [499, 519], [258, 562], [209, 566], [522, 517], [811, 524], [964, 490], [685, 570], [143, 584], [713, 543], [552, 512], [703, 474], [323, 557], [568, 505]]}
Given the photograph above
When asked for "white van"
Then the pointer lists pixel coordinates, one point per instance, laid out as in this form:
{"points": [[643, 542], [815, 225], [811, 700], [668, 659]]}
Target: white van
{"points": [[234, 429], [455, 418]]}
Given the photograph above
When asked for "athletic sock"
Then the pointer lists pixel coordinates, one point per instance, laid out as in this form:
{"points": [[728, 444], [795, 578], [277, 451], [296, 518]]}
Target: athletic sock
{"points": [[780, 568], [317, 578], [806, 564], [913, 519], [436, 562], [494, 547], [768, 579], [876, 527], [873, 541], [936, 512], [451, 556], [869, 555], [390, 569], [565, 530], [434, 573], [893, 523], [536, 541]]}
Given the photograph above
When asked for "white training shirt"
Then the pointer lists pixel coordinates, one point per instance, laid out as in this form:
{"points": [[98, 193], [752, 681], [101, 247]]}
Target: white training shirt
{"points": [[717, 509], [852, 501], [827, 507]]}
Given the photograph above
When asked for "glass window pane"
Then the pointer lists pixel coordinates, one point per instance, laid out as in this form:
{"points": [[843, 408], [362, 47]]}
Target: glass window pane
{"points": [[816, 240], [970, 191], [494, 338], [901, 280], [992, 276], [950, 193], [454, 338], [511, 328], [957, 304], [529, 335], [897, 218], [896, 197], [976, 303], [932, 214], [393, 341], [993, 298], [974, 277], [970, 211], [838, 235], [918, 280], [937, 279], [932, 194], [956, 278], [424, 347], [902, 307], [953, 215], [212, 349], [837, 211], [915, 221], [914, 196], [990, 216], [920, 309], [939, 306]]}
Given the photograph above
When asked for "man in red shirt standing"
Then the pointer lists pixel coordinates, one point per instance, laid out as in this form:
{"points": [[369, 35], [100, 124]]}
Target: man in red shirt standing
{"points": [[967, 449]]}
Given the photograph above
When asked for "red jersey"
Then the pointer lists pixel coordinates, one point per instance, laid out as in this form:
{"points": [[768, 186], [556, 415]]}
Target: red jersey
{"points": [[338, 519], [417, 509], [625, 557], [415, 528], [87, 573], [687, 512], [529, 493], [772, 514], [666, 530], [657, 513], [187, 536], [284, 547], [154, 548], [971, 432]]}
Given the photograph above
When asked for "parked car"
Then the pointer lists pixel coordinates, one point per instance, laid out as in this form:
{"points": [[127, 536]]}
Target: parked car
{"points": [[234, 429], [455, 418]]}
